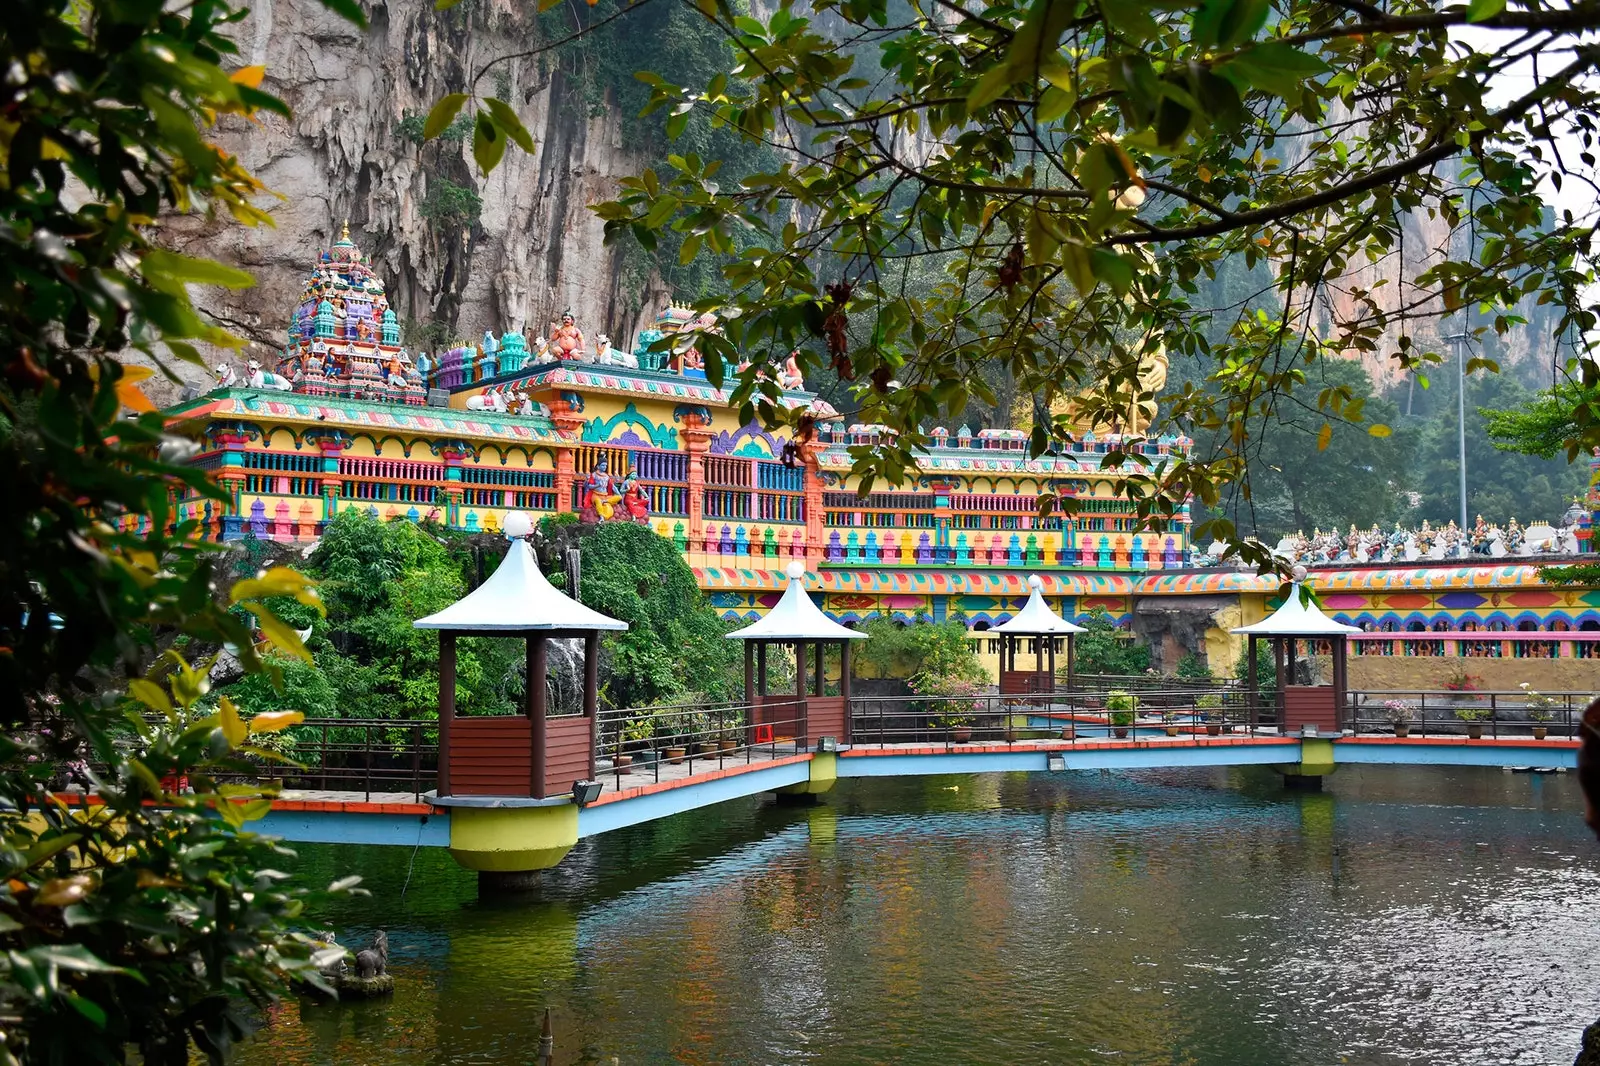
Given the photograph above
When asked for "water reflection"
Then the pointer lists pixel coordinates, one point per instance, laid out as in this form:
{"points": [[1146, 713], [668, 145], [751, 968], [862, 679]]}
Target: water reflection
{"points": [[1205, 917]]}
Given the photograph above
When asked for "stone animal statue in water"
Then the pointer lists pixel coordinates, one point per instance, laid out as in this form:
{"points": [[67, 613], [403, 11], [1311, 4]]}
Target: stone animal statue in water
{"points": [[266, 379], [374, 961]]}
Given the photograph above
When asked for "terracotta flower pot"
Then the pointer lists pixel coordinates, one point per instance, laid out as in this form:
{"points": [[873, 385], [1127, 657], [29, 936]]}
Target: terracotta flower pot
{"points": [[1120, 731], [1539, 732], [726, 746], [1474, 730], [960, 734], [1213, 729], [623, 763], [674, 754], [1069, 733], [1402, 730], [1172, 730]]}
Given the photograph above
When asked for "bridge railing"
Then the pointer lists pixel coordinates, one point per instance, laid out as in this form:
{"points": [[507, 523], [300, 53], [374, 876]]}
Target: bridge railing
{"points": [[1494, 714], [366, 755], [1072, 716], [642, 745]]}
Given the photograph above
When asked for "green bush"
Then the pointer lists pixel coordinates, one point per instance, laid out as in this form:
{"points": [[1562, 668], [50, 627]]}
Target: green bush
{"points": [[924, 648], [676, 641], [1106, 648], [1123, 707], [1193, 668]]}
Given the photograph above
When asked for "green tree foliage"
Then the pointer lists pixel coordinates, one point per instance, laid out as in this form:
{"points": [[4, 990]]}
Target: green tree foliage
{"points": [[377, 578], [1308, 478], [932, 651], [126, 930], [1501, 483], [675, 645], [1085, 169], [1546, 425], [1107, 648]]}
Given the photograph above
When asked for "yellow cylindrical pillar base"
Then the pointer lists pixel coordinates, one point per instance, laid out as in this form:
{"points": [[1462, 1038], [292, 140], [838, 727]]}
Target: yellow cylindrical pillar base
{"points": [[1316, 762], [824, 771], [512, 839]]}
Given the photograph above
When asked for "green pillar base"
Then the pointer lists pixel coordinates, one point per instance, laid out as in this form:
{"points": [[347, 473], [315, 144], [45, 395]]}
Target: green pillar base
{"points": [[1316, 762], [512, 840], [824, 770]]}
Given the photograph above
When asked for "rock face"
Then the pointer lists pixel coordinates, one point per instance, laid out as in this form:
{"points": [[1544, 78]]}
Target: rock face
{"points": [[348, 152]]}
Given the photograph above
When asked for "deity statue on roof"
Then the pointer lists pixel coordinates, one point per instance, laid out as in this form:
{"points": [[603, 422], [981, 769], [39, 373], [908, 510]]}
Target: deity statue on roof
{"points": [[599, 496], [635, 499], [566, 340]]}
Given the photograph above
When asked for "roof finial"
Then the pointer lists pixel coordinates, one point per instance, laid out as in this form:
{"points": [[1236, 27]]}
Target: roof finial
{"points": [[344, 232]]}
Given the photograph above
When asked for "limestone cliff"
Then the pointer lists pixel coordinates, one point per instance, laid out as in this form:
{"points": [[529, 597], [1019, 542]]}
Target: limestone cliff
{"points": [[533, 248]]}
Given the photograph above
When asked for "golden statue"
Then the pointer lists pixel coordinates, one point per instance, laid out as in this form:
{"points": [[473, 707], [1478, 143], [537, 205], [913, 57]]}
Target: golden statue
{"points": [[1141, 410]]}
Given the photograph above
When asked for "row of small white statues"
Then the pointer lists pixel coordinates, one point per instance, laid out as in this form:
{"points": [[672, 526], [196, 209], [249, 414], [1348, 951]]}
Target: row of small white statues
{"points": [[1483, 540]]}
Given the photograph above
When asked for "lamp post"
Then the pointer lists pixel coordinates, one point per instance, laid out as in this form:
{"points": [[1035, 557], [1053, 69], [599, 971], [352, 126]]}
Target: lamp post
{"points": [[1459, 341]]}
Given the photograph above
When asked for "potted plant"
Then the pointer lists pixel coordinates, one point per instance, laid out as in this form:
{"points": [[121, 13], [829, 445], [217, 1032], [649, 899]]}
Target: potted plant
{"points": [[635, 737], [675, 727], [1170, 718], [1123, 706], [1209, 707], [1541, 709], [1474, 717], [1461, 681], [701, 727], [958, 699], [1399, 714]]}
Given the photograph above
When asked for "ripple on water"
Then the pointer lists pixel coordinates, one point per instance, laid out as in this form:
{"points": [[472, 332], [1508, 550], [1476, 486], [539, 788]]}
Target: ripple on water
{"points": [[1197, 918]]}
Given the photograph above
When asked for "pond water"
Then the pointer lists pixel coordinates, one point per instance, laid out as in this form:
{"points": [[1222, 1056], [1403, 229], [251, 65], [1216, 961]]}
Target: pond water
{"points": [[1194, 917]]}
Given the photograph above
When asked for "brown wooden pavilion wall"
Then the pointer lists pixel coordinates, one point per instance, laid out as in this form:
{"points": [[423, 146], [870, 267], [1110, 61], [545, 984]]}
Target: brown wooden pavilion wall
{"points": [[531, 754]]}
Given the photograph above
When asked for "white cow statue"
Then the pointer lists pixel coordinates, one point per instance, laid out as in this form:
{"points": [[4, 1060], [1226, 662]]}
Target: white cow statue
{"points": [[609, 355], [265, 379], [226, 378], [492, 400]]}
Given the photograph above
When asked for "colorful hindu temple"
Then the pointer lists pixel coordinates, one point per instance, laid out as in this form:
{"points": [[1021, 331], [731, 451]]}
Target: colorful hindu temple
{"points": [[570, 423]]}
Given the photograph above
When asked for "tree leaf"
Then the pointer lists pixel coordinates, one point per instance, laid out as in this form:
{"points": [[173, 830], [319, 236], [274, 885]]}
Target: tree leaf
{"points": [[150, 694], [1481, 10], [279, 632], [990, 87], [349, 9], [275, 721], [508, 121], [250, 77], [442, 114], [1378, 430], [1324, 437], [159, 265], [233, 726], [488, 142], [278, 581], [1276, 68]]}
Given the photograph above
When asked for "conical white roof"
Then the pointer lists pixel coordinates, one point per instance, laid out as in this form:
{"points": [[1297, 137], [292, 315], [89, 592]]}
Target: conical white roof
{"points": [[1036, 619], [1297, 617], [795, 617], [517, 597]]}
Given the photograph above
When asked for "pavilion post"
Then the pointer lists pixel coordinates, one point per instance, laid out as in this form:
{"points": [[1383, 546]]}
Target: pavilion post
{"points": [[1277, 671], [591, 694], [844, 689], [1070, 665], [822, 679], [749, 672], [1341, 681], [1038, 662], [1050, 686], [761, 667], [804, 736], [447, 705], [538, 671], [1252, 685]]}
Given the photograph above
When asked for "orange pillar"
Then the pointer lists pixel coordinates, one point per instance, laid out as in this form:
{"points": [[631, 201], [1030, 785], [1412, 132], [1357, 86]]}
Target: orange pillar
{"points": [[696, 442]]}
